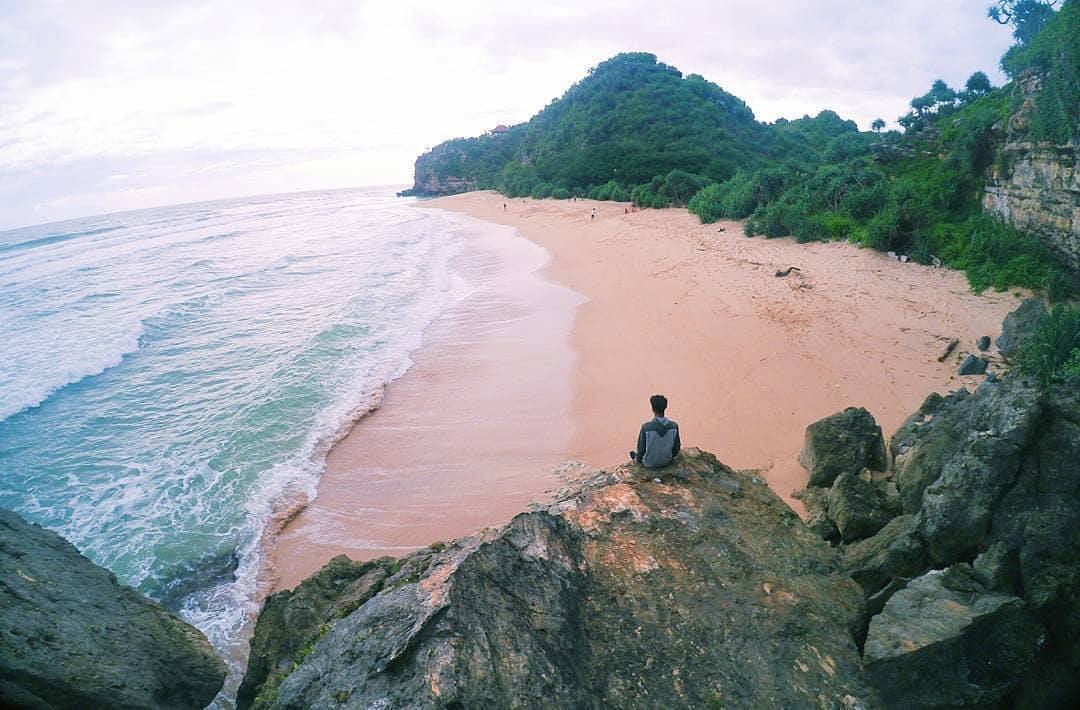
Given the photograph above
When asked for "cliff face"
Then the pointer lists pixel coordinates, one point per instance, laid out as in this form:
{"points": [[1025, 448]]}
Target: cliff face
{"points": [[700, 589], [444, 170], [1036, 186], [71, 637]]}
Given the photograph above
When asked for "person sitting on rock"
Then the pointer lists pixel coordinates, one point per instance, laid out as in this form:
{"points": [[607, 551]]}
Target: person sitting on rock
{"points": [[658, 442]]}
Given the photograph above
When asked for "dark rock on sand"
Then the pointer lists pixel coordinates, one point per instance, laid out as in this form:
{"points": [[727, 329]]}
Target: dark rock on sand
{"points": [[857, 507], [973, 365], [936, 646], [845, 442], [71, 637], [702, 590], [983, 343], [1019, 326]]}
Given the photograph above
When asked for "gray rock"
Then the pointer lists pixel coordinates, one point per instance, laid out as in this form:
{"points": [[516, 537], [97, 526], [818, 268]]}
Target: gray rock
{"points": [[973, 365], [71, 637], [704, 590], [984, 343], [845, 442], [1019, 326], [894, 552], [970, 459], [857, 506], [936, 646], [816, 501]]}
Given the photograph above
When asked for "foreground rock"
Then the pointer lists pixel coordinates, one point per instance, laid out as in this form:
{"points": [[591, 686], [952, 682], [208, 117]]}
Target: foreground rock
{"points": [[71, 637], [845, 442], [702, 590], [929, 646], [990, 490]]}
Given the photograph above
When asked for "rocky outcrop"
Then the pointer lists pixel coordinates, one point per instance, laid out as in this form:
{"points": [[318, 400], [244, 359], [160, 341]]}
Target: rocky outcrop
{"points": [[72, 637], [990, 490], [444, 170], [1019, 326], [1036, 186], [701, 589], [845, 442]]}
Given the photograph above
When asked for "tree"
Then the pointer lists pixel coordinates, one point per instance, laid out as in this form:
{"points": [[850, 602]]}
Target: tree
{"points": [[940, 94], [978, 84], [877, 124], [1026, 16]]}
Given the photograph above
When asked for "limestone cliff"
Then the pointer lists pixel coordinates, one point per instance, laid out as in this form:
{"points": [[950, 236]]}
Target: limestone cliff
{"points": [[698, 589], [1036, 185]]}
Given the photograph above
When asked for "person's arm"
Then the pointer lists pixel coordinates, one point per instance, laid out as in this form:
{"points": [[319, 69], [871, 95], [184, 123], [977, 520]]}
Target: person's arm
{"points": [[641, 444], [678, 444]]}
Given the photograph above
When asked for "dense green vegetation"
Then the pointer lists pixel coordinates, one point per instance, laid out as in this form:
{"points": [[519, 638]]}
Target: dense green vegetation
{"points": [[636, 129], [1054, 350]]}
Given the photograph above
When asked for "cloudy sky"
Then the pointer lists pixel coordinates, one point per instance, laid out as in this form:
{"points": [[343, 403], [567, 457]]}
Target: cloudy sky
{"points": [[119, 104]]}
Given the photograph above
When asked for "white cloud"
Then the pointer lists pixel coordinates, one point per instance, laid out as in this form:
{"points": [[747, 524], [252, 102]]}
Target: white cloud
{"points": [[224, 98]]}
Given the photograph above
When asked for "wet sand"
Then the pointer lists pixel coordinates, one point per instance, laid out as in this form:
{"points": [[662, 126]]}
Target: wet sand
{"points": [[468, 436], [521, 377]]}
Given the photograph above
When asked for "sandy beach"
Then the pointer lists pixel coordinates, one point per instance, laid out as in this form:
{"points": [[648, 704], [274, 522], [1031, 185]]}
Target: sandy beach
{"points": [[530, 374]]}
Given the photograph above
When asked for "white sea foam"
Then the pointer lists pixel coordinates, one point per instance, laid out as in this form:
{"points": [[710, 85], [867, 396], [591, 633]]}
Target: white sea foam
{"points": [[261, 331], [33, 371]]}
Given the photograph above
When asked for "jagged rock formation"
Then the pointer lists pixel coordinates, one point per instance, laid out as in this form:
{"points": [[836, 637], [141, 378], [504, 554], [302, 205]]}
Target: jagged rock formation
{"points": [[988, 489], [701, 590], [71, 637]]}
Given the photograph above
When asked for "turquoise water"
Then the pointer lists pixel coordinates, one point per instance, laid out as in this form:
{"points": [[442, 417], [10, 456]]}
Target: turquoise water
{"points": [[167, 376]]}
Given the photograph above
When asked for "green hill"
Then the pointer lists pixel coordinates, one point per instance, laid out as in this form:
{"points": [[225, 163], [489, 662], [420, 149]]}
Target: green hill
{"points": [[637, 129], [630, 120]]}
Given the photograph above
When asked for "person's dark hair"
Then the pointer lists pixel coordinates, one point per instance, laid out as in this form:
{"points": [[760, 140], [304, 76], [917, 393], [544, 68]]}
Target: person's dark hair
{"points": [[658, 403]]}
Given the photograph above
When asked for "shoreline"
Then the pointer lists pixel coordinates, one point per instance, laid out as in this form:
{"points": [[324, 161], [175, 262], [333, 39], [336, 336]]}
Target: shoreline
{"points": [[466, 438], [664, 304]]}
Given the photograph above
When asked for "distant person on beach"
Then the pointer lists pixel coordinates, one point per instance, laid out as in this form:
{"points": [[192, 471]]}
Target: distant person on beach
{"points": [[593, 213], [658, 442], [504, 207]]}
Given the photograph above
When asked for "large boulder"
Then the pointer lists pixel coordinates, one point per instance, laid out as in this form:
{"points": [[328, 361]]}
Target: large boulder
{"points": [[1019, 326], [845, 442], [72, 637], [700, 590], [936, 646], [857, 506]]}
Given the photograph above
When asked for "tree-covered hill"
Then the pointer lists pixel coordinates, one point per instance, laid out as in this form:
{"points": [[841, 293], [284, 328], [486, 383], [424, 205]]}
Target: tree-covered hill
{"points": [[637, 129]]}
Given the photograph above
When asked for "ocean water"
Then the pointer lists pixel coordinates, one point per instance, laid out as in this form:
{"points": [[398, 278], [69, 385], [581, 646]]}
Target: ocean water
{"points": [[170, 379]]}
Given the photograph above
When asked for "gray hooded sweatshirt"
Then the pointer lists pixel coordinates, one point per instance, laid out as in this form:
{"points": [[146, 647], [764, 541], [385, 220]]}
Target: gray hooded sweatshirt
{"points": [[658, 443]]}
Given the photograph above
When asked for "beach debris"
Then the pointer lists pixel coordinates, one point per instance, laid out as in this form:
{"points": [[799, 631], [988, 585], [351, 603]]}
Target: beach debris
{"points": [[891, 254], [948, 349], [984, 343], [973, 365], [784, 272], [904, 258], [935, 262], [721, 229]]}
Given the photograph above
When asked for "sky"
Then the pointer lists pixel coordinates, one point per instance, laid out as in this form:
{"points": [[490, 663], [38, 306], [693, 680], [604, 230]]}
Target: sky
{"points": [[122, 104]]}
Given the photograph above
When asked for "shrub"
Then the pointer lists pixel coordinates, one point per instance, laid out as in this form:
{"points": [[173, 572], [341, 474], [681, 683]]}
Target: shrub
{"points": [[560, 193], [1054, 350]]}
